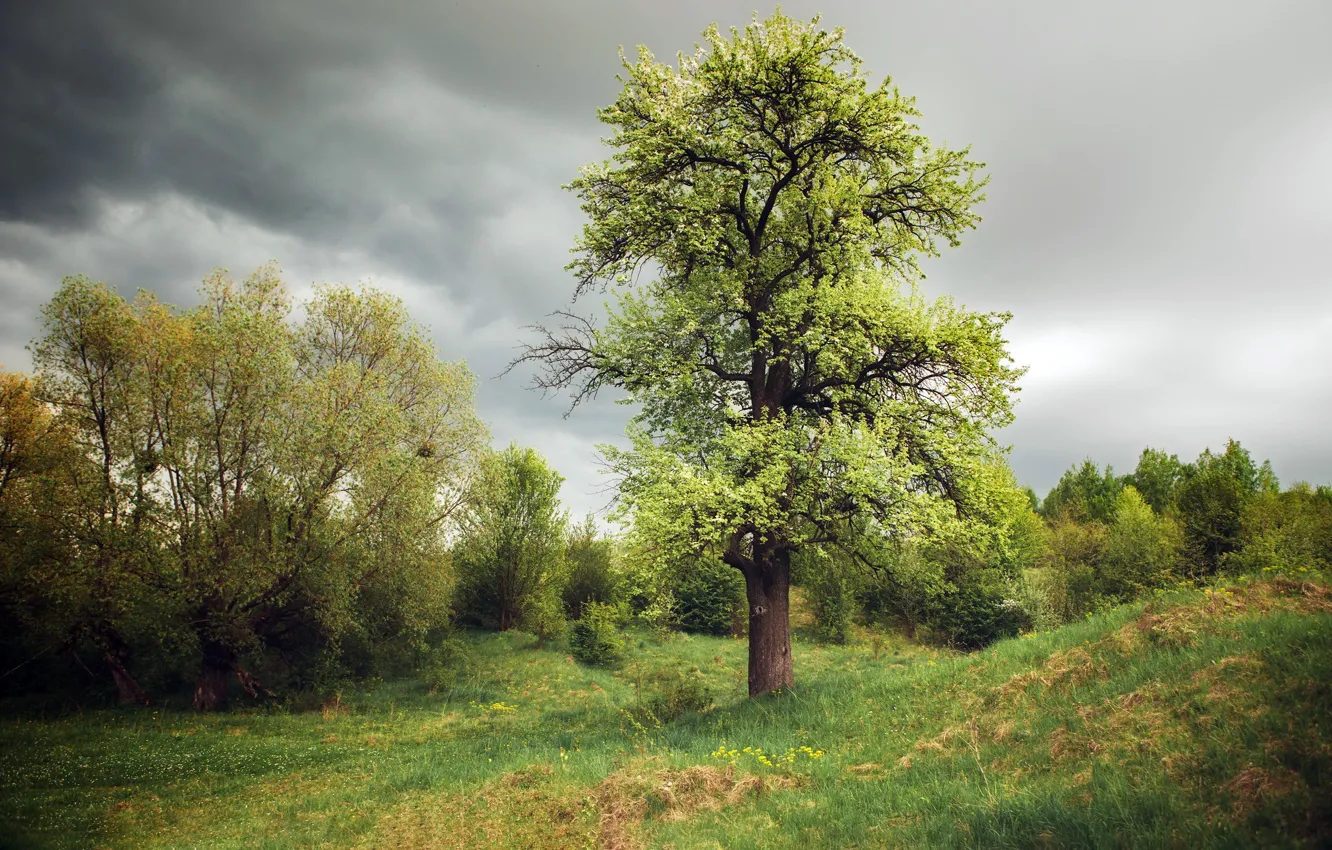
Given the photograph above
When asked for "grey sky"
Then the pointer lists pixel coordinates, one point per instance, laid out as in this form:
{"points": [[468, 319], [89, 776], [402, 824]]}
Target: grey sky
{"points": [[1159, 217]]}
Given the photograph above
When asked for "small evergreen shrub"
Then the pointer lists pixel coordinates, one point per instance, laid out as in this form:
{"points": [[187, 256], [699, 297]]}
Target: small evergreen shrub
{"points": [[595, 637], [975, 616], [709, 598]]}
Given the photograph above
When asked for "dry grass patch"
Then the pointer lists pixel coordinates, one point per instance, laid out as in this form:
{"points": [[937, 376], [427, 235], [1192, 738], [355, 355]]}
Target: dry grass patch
{"points": [[628, 797], [529, 808], [1068, 668], [1181, 625], [268, 803], [1254, 788]]}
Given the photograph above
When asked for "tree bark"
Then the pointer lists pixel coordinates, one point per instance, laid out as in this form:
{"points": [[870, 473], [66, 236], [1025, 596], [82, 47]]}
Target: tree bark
{"points": [[768, 591], [128, 691], [117, 654], [210, 691]]}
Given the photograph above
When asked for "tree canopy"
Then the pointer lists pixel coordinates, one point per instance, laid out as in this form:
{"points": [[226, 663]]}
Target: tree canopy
{"points": [[238, 478], [760, 224]]}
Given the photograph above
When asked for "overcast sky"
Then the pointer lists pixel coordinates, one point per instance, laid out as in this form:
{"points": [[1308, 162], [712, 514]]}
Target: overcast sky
{"points": [[1159, 216]]}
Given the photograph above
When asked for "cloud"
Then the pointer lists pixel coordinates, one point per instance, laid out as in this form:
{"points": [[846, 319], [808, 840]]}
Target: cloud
{"points": [[1156, 216]]}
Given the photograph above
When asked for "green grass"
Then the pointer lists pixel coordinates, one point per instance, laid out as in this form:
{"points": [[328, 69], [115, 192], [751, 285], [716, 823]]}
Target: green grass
{"points": [[1200, 721]]}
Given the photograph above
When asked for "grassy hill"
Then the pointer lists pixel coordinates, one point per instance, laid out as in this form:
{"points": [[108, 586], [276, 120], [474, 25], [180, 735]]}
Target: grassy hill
{"points": [[1200, 719]]}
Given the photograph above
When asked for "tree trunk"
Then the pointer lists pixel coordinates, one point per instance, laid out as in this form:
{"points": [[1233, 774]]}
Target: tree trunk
{"points": [[768, 591], [128, 691], [117, 653], [210, 692]]}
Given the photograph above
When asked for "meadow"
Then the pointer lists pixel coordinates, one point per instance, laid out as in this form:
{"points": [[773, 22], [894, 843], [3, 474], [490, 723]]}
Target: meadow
{"points": [[1197, 719]]}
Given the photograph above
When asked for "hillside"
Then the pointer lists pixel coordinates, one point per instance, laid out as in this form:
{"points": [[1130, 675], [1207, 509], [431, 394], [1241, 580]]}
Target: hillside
{"points": [[1199, 719]]}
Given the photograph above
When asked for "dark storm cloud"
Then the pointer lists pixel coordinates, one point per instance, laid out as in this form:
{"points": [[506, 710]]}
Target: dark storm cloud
{"points": [[71, 103], [1157, 218]]}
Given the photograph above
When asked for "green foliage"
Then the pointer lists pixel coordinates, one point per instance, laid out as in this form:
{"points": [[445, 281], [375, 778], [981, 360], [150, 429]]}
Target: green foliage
{"points": [[1212, 495], [441, 661], [661, 615], [1288, 532], [904, 587], [510, 559], [596, 638], [830, 591], [1085, 493], [791, 377], [1068, 580], [242, 481], [666, 694], [1142, 550], [976, 614], [709, 598], [592, 574], [1155, 478], [544, 616]]}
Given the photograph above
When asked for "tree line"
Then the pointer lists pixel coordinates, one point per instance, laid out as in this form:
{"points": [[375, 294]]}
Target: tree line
{"points": [[185, 493], [243, 497], [1096, 540]]}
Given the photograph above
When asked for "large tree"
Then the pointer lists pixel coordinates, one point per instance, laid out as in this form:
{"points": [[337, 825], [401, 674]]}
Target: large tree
{"points": [[759, 224]]}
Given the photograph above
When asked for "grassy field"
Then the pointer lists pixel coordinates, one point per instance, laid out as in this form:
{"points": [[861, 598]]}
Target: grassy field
{"points": [[1201, 719]]}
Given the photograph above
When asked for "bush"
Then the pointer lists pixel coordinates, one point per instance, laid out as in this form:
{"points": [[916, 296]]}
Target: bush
{"points": [[441, 662], [512, 546], [976, 615], [710, 599], [904, 588], [1032, 592], [1069, 576], [595, 637], [660, 616], [543, 616], [1289, 532], [664, 695]]}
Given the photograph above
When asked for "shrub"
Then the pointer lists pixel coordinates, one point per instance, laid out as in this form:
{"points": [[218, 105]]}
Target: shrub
{"points": [[664, 695], [512, 546], [595, 637], [441, 661], [976, 615], [660, 616], [710, 598], [1032, 592], [543, 616], [904, 588], [1071, 566], [1290, 531]]}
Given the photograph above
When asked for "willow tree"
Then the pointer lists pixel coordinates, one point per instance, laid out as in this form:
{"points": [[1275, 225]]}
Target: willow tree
{"points": [[760, 224], [256, 484]]}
